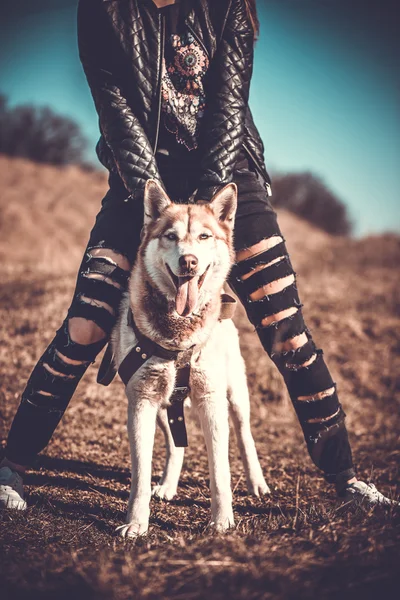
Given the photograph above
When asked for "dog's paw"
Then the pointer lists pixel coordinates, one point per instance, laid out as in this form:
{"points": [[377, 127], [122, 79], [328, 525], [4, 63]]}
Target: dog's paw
{"points": [[164, 491], [258, 487], [221, 524], [132, 530]]}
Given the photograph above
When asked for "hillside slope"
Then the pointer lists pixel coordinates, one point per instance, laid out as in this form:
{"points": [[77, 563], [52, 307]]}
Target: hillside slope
{"points": [[292, 545], [46, 213]]}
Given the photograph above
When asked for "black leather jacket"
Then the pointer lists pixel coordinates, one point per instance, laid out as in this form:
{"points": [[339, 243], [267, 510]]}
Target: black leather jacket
{"points": [[120, 47]]}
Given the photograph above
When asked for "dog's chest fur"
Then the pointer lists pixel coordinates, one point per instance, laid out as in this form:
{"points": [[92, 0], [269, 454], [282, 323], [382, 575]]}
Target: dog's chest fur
{"points": [[155, 379], [169, 326]]}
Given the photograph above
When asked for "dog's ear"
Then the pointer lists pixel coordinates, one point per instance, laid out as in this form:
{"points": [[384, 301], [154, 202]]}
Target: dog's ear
{"points": [[155, 201], [224, 204]]}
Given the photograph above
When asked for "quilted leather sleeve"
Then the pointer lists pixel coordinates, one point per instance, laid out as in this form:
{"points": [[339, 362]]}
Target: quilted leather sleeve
{"points": [[227, 89], [122, 132]]}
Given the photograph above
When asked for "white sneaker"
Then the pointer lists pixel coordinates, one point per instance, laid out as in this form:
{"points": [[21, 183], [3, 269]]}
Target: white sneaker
{"points": [[366, 494], [11, 490]]}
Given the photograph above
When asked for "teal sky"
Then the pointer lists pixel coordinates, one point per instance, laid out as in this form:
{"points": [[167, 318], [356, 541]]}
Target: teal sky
{"points": [[324, 92]]}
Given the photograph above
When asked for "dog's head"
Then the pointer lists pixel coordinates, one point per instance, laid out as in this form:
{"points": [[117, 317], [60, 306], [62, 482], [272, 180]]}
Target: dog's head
{"points": [[187, 249]]}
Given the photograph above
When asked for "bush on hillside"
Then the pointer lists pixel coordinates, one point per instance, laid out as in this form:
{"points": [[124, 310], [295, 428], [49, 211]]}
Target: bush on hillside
{"points": [[41, 135], [308, 197]]}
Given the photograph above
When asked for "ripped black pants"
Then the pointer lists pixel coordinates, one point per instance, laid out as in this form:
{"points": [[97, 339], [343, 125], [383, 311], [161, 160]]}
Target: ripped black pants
{"points": [[275, 312]]}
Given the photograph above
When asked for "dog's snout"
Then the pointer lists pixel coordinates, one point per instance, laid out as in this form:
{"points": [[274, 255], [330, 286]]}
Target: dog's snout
{"points": [[188, 262]]}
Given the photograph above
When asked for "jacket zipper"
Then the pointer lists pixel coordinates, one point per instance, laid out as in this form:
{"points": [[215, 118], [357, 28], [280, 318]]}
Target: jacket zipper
{"points": [[196, 37], [267, 185], [162, 42]]}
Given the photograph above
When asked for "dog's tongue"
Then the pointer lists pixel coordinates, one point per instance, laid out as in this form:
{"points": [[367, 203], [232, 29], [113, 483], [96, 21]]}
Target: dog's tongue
{"points": [[186, 297]]}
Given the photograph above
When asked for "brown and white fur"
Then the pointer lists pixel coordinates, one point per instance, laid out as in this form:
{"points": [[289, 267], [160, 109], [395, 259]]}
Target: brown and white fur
{"points": [[175, 294]]}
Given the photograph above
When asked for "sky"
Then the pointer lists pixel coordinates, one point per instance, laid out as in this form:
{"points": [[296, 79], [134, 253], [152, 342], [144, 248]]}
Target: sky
{"points": [[325, 90]]}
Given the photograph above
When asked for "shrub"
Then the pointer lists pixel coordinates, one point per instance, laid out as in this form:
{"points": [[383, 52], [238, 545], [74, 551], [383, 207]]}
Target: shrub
{"points": [[40, 134], [306, 195]]}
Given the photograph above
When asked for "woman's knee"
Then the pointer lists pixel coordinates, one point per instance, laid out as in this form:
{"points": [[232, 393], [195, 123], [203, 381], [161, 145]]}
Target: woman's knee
{"points": [[265, 281], [102, 279], [83, 331], [269, 283]]}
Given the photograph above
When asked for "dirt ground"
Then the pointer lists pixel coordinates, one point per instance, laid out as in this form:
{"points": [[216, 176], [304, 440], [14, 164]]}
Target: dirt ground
{"points": [[295, 544]]}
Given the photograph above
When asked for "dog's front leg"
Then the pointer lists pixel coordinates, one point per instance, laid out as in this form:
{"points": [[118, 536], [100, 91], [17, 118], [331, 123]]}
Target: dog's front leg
{"points": [[213, 412], [142, 413]]}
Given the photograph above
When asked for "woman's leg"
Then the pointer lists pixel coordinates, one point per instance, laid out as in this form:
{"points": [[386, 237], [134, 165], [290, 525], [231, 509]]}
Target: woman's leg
{"points": [[102, 278], [265, 282]]}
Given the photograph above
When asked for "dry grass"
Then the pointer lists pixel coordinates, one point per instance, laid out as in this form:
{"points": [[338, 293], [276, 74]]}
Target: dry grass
{"points": [[288, 546]]}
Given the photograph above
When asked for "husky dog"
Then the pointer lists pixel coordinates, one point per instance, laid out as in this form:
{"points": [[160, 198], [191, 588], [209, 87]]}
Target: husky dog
{"points": [[175, 298]]}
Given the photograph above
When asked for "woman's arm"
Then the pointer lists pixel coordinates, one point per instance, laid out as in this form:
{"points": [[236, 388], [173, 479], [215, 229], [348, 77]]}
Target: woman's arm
{"points": [[227, 89], [124, 135]]}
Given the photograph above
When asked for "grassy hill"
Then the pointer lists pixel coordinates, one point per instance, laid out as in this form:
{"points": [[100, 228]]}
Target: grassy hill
{"points": [[289, 545]]}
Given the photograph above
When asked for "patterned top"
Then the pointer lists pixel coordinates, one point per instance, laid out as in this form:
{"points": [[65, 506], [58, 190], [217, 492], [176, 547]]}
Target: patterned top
{"points": [[182, 93]]}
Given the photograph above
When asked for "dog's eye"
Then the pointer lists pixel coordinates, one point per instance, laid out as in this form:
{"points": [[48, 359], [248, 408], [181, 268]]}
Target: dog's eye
{"points": [[204, 236], [172, 237]]}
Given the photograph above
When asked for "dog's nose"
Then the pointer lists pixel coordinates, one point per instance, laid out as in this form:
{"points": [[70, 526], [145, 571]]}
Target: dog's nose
{"points": [[188, 262]]}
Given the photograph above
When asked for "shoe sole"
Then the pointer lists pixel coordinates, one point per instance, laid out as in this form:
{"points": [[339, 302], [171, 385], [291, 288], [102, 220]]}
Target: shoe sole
{"points": [[13, 504]]}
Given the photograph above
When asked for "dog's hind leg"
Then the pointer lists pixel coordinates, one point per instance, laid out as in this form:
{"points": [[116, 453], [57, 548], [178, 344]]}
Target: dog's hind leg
{"points": [[142, 415], [239, 409], [167, 486]]}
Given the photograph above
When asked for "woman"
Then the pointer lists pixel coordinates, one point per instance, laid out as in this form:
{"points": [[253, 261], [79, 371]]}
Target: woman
{"points": [[170, 81]]}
